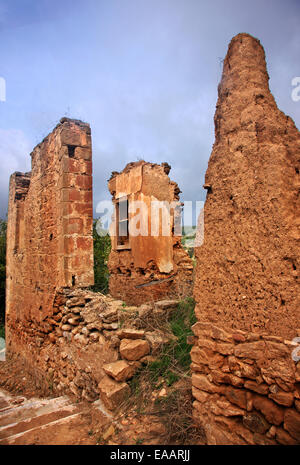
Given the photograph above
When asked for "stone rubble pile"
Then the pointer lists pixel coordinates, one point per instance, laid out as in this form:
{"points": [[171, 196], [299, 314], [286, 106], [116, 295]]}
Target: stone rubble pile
{"points": [[111, 340]]}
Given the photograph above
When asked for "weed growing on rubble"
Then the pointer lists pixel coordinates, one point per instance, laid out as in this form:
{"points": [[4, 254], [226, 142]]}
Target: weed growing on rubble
{"points": [[181, 322], [170, 371], [173, 361], [175, 413]]}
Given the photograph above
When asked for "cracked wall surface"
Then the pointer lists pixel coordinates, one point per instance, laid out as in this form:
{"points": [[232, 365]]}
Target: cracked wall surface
{"points": [[149, 266], [245, 382]]}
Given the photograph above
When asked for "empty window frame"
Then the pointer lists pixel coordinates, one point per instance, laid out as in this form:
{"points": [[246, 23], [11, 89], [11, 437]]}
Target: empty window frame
{"points": [[122, 223]]}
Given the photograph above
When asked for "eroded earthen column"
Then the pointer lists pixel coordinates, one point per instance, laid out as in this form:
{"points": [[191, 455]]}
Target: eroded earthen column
{"points": [[245, 382]]}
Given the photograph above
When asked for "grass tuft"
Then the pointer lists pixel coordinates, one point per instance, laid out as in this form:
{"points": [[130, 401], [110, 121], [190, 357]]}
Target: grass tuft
{"points": [[171, 370]]}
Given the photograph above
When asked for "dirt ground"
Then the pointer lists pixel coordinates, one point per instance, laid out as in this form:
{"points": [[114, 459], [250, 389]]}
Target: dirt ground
{"points": [[127, 427]]}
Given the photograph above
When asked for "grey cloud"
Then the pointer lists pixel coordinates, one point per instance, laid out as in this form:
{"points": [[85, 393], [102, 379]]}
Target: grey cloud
{"points": [[144, 74]]}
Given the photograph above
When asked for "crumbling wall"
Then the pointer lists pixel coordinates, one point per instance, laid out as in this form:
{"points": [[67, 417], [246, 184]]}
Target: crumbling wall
{"points": [[151, 266], [49, 232], [92, 345], [98, 345], [245, 382], [71, 339]]}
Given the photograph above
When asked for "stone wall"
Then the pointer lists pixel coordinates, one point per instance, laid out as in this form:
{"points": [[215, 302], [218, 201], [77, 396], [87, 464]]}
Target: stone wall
{"points": [[150, 266], [92, 344], [246, 386], [49, 231], [71, 339], [245, 381]]}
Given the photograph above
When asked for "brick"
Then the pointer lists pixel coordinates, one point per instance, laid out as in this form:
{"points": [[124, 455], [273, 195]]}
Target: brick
{"points": [[259, 388], [73, 225], [84, 181], [70, 137], [84, 243], [159, 260], [284, 438], [83, 209], [69, 245]]}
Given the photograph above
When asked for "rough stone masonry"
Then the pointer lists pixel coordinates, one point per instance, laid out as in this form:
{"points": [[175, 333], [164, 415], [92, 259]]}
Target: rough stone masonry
{"points": [[71, 339], [245, 382], [49, 233]]}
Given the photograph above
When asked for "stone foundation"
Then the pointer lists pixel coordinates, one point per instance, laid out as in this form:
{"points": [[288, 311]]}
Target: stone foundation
{"points": [[90, 345], [247, 292], [246, 386]]}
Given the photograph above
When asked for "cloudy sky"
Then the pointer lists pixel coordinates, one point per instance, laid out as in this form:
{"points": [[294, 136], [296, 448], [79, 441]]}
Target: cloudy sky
{"points": [[143, 73]]}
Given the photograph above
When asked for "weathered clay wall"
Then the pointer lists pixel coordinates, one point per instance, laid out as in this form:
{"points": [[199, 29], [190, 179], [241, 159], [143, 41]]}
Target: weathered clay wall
{"points": [[49, 235], [245, 382], [152, 267]]}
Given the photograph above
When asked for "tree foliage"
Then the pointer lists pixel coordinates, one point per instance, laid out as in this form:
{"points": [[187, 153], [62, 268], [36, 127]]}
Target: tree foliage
{"points": [[102, 247]]}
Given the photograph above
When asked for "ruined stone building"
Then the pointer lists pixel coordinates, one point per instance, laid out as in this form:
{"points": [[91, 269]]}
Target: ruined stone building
{"points": [[245, 379], [245, 382], [70, 338], [49, 231], [147, 261]]}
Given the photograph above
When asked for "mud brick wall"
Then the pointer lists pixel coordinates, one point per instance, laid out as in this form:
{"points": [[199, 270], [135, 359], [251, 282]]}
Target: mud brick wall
{"points": [[247, 292], [152, 267], [49, 233]]}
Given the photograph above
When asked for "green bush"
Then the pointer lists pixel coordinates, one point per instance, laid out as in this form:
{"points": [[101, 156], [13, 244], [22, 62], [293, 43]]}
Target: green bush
{"points": [[170, 369], [102, 247], [2, 331]]}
